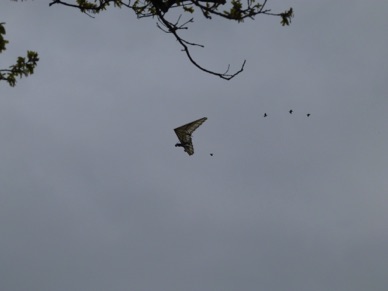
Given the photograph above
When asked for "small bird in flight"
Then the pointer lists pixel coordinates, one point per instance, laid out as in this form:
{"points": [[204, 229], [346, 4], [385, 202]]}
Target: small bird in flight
{"points": [[290, 111], [211, 154], [265, 114], [308, 114]]}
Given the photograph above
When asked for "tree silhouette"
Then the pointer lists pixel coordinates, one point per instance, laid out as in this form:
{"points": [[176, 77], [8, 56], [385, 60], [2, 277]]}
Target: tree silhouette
{"points": [[233, 10]]}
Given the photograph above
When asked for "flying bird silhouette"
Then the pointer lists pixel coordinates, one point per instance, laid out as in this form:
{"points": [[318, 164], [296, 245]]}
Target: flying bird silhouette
{"points": [[184, 133], [265, 114], [291, 111], [211, 154], [308, 114]]}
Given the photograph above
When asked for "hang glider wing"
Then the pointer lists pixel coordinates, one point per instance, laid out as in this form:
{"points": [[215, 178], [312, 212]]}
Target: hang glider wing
{"points": [[184, 133]]}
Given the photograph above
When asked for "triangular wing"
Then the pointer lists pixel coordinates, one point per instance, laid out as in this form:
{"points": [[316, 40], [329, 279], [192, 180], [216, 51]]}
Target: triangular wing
{"points": [[184, 134]]}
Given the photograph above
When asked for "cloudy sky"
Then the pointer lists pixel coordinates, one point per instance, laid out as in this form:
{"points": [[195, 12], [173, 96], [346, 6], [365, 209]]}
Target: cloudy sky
{"points": [[94, 196]]}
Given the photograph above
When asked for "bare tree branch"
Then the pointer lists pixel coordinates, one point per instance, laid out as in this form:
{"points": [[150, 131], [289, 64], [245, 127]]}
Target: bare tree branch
{"points": [[173, 28]]}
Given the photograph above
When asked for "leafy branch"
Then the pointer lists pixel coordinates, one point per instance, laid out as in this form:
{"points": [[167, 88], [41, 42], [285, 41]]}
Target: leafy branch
{"points": [[235, 10], [24, 65]]}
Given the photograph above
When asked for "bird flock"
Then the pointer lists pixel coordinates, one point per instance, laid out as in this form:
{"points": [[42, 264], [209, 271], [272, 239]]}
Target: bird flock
{"points": [[291, 111]]}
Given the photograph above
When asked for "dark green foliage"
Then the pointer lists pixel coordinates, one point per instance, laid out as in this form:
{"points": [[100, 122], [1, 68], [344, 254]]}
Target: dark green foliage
{"points": [[286, 17], [24, 65], [3, 41]]}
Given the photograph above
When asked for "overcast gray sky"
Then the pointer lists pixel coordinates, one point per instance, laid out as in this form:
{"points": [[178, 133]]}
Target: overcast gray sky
{"points": [[94, 196]]}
